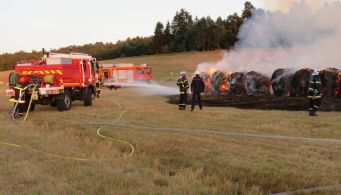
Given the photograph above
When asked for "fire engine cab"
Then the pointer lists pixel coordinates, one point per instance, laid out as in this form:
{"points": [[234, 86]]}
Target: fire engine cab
{"points": [[120, 75], [56, 80]]}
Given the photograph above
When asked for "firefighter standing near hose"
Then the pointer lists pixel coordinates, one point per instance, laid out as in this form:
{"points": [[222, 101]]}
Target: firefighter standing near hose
{"points": [[183, 87], [314, 92], [197, 87]]}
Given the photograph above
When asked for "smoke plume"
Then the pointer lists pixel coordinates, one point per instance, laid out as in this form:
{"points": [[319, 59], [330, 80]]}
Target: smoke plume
{"points": [[153, 88], [307, 34], [285, 5]]}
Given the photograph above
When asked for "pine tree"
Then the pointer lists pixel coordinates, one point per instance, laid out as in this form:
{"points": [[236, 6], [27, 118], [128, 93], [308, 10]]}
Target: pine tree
{"points": [[158, 37], [167, 37], [248, 9]]}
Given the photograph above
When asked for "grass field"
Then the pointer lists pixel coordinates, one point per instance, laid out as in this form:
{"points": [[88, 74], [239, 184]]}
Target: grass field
{"points": [[165, 162]]}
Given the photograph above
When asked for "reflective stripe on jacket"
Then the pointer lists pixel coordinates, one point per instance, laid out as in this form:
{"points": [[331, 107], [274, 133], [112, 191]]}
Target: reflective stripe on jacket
{"points": [[183, 84], [315, 87]]}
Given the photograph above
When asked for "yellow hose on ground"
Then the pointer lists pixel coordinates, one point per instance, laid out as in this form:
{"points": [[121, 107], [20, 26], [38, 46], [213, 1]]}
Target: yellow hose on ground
{"points": [[75, 158], [115, 139], [29, 105], [10, 144]]}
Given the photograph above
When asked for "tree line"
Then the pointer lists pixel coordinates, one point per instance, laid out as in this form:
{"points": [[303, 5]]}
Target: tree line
{"points": [[183, 33]]}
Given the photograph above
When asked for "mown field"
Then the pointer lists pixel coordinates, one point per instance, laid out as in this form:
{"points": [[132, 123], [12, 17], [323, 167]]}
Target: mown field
{"points": [[61, 153]]}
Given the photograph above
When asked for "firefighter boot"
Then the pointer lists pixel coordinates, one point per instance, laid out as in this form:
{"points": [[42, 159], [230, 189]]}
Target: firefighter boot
{"points": [[312, 112]]}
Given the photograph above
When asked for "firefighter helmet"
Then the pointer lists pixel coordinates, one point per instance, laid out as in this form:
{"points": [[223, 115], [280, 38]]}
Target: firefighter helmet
{"points": [[316, 72], [182, 72]]}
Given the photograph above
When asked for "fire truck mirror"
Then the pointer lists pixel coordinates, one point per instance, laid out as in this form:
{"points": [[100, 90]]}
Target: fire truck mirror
{"points": [[84, 65], [92, 63], [97, 66]]}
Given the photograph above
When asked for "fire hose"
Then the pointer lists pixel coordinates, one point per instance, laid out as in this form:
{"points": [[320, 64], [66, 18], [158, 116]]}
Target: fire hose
{"points": [[130, 154], [29, 105], [15, 108], [250, 135], [22, 92]]}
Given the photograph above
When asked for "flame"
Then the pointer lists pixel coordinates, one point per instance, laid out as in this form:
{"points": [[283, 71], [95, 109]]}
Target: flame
{"points": [[223, 87], [211, 70]]}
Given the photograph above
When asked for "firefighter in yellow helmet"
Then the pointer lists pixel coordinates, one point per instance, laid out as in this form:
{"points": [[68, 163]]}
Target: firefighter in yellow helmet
{"points": [[183, 87]]}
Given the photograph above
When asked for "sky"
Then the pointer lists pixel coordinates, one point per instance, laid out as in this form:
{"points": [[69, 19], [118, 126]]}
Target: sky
{"points": [[35, 24]]}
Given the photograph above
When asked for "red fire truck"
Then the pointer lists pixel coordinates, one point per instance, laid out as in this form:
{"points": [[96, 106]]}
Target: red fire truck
{"points": [[120, 75], [57, 79]]}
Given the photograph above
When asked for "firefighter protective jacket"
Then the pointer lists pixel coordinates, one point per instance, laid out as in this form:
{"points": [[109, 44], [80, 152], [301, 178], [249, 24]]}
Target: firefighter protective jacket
{"points": [[183, 84], [315, 86], [197, 85]]}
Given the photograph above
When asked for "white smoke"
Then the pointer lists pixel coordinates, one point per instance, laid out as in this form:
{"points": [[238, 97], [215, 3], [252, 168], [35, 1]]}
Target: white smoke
{"points": [[153, 88], [285, 5], [307, 35]]}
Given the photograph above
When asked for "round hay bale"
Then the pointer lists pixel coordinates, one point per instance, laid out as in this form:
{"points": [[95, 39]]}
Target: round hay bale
{"points": [[257, 84], [281, 82], [300, 82], [237, 84]]}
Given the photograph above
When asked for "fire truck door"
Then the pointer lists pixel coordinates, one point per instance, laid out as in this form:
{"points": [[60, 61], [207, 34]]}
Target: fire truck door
{"points": [[130, 76], [92, 69], [126, 76], [122, 75], [86, 72], [114, 75]]}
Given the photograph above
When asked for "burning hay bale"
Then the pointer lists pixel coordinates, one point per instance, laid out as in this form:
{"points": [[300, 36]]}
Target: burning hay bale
{"points": [[328, 78], [237, 84], [337, 90], [257, 84], [219, 82], [284, 82], [300, 82], [281, 82]]}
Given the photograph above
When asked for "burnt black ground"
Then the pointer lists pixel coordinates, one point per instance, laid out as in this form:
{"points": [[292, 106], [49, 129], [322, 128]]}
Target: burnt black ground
{"points": [[263, 102]]}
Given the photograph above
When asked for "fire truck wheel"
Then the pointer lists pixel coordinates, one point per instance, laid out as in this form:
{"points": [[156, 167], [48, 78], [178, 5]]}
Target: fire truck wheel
{"points": [[65, 102], [88, 98]]}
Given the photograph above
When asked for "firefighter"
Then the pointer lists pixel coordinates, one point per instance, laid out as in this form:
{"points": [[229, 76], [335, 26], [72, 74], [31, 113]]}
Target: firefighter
{"points": [[183, 87], [197, 87], [98, 87], [314, 92]]}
